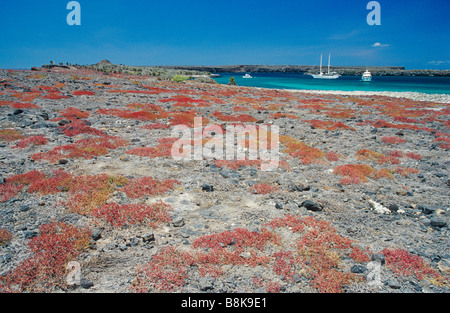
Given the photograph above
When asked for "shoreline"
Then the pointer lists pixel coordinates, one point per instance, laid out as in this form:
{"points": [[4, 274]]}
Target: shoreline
{"points": [[417, 96]]}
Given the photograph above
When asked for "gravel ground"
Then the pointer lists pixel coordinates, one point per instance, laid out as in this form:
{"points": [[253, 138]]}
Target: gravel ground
{"points": [[402, 212]]}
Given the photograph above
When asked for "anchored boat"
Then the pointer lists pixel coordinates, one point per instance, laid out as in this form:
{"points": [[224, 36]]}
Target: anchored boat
{"points": [[366, 77], [328, 75]]}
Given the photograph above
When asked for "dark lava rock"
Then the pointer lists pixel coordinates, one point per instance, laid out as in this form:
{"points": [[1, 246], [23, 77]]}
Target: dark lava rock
{"points": [[63, 122], [44, 115], [230, 174], [393, 207], [278, 205], [207, 188], [416, 286], [298, 187], [44, 125], [426, 222], [393, 283], [206, 283], [438, 222], [425, 209], [312, 206], [358, 269], [63, 161], [96, 234], [69, 218], [86, 283], [25, 208], [178, 222], [29, 234], [378, 257], [149, 237]]}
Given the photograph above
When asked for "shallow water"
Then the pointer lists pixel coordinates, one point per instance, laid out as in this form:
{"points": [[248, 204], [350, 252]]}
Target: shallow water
{"points": [[429, 85]]}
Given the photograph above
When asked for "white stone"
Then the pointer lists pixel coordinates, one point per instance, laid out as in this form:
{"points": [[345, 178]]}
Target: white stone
{"points": [[378, 208]]}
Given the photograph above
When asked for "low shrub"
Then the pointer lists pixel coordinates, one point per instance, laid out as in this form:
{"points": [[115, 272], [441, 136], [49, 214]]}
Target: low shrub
{"points": [[45, 270], [163, 149], [32, 140], [147, 186], [80, 127], [83, 93], [9, 191], [129, 214], [241, 118], [73, 114], [359, 173], [179, 78], [392, 140], [263, 189], [298, 149], [10, 135], [167, 271], [5, 236], [87, 192], [84, 148], [406, 264]]}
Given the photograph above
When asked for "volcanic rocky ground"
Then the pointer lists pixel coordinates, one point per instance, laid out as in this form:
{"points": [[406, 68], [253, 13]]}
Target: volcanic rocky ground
{"points": [[362, 181]]}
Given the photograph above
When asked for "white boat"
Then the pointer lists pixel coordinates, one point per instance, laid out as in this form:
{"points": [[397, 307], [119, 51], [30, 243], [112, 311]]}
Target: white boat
{"points": [[328, 75], [366, 77], [247, 76]]}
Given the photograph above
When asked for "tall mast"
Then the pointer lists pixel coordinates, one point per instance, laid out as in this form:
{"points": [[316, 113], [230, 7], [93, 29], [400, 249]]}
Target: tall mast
{"points": [[321, 64], [329, 59]]}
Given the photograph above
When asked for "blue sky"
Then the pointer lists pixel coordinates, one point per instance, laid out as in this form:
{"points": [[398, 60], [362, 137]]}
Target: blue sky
{"points": [[413, 33]]}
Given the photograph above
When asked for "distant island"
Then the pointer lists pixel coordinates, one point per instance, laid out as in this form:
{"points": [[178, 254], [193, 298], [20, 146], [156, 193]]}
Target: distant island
{"points": [[167, 72], [108, 68], [343, 70]]}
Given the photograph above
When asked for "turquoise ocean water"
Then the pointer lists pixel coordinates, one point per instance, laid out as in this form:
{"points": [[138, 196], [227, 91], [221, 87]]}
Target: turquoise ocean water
{"points": [[429, 85]]}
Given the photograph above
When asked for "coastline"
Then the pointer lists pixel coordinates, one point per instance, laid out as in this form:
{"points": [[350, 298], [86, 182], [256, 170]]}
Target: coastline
{"points": [[342, 70], [417, 96], [198, 72]]}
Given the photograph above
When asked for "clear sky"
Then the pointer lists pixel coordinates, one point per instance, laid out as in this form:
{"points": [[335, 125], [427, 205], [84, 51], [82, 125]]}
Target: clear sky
{"points": [[413, 33]]}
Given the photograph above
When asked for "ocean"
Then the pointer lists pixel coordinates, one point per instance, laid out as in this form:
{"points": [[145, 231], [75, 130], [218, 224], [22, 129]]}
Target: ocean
{"points": [[428, 85]]}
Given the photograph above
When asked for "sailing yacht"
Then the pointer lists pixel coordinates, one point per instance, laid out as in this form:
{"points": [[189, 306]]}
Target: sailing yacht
{"points": [[328, 75]]}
